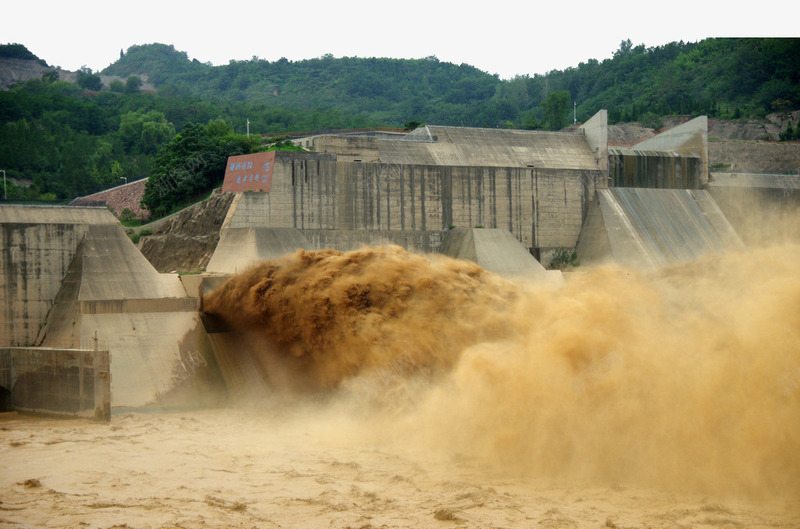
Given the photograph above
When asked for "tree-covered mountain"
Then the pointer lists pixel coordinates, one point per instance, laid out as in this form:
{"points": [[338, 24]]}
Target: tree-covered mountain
{"points": [[717, 77], [67, 139], [389, 91], [19, 51], [63, 141]]}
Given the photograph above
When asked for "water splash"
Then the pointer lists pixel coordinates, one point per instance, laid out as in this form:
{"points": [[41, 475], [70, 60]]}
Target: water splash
{"points": [[679, 378]]}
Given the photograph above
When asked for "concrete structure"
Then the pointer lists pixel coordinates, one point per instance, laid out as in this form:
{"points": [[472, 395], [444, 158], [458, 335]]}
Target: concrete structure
{"points": [[412, 190], [70, 274], [689, 138], [240, 248], [675, 159], [355, 190], [651, 228], [500, 198], [69, 382], [345, 205], [537, 185], [495, 250]]}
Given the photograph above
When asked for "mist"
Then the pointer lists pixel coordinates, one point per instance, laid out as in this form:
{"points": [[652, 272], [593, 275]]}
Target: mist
{"points": [[685, 379]]}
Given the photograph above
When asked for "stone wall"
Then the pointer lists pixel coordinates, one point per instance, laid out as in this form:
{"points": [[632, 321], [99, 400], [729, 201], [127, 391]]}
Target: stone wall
{"points": [[186, 240], [118, 199]]}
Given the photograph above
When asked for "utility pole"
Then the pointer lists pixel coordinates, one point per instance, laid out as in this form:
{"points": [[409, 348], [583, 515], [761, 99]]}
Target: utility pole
{"points": [[248, 128], [5, 195], [574, 112]]}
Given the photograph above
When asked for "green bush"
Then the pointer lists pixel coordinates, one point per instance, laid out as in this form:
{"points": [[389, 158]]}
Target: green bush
{"points": [[192, 164], [126, 215], [564, 258], [135, 236]]}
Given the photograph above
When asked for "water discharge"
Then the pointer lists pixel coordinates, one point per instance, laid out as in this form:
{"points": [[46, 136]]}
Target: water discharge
{"points": [[687, 378]]}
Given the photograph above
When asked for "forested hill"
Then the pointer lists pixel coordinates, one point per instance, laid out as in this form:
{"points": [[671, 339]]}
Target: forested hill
{"points": [[386, 91], [64, 134], [724, 78]]}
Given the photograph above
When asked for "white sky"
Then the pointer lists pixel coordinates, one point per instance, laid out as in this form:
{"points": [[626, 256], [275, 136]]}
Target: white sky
{"points": [[499, 37]]}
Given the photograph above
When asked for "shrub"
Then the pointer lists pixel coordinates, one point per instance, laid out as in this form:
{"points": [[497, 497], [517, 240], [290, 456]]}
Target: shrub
{"points": [[563, 258], [127, 215]]}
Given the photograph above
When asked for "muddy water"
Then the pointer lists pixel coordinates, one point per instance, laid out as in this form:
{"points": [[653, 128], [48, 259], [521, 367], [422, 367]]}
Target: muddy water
{"points": [[424, 392], [307, 468], [683, 378]]}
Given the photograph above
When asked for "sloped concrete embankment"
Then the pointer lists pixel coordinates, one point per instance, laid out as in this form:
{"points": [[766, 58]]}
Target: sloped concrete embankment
{"points": [[69, 275]]}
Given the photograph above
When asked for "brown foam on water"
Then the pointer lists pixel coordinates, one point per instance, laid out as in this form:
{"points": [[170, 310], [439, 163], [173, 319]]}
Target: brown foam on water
{"points": [[686, 378], [335, 314]]}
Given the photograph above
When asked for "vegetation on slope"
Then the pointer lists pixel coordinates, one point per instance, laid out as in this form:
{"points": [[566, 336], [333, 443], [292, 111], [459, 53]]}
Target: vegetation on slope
{"points": [[677, 78], [18, 51], [192, 164], [65, 141]]}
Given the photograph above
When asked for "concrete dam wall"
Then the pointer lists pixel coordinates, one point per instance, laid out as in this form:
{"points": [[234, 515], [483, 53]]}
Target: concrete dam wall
{"points": [[543, 208], [467, 194], [71, 274], [652, 228]]}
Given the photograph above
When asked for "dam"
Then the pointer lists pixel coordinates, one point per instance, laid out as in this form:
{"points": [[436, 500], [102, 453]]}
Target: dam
{"points": [[507, 202]]}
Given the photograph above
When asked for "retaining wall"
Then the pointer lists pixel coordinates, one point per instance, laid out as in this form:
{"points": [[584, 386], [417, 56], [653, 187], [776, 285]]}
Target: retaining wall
{"points": [[70, 382]]}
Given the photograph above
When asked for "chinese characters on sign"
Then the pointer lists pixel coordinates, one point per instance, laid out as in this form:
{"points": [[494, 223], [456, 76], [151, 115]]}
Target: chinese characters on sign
{"points": [[249, 172]]}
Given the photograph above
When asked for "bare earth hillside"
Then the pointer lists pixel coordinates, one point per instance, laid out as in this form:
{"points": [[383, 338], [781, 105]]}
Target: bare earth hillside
{"points": [[185, 241], [14, 71]]}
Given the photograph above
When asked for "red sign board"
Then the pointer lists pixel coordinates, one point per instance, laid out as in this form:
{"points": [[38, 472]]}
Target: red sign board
{"points": [[249, 172]]}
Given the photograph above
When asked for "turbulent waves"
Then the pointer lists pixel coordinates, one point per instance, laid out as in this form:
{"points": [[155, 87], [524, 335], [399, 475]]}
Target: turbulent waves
{"points": [[685, 378]]}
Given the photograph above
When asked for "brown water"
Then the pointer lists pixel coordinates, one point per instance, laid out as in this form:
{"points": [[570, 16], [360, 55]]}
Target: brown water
{"points": [[684, 379], [421, 392]]}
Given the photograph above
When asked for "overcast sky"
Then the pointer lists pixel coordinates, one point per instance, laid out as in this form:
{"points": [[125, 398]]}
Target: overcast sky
{"points": [[499, 37]]}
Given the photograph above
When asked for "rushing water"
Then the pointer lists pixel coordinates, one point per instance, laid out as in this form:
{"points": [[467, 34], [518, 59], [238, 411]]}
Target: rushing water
{"points": [[687, 378]]}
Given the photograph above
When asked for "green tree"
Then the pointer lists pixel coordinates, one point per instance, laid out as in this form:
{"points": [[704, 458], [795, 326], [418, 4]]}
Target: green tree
{"points": [[624, 48], [529, 122], [555, 109], [18, 51], [144, 132], [88, 80], [133, 84], [192, 164], [50, 76]]}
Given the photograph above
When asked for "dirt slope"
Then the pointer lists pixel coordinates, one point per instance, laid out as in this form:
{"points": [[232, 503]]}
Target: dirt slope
{"points": [[185, 241]]}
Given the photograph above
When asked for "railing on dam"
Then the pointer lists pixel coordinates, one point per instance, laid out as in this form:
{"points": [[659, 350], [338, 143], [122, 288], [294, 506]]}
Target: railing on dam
{"points": [[56, 381]]}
